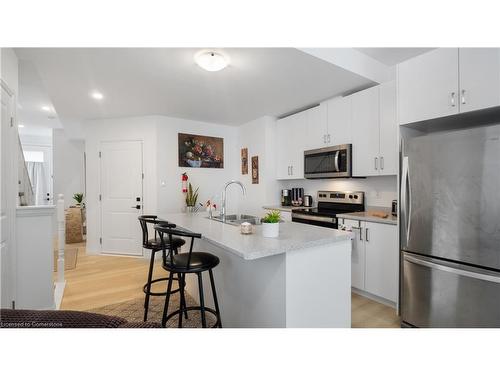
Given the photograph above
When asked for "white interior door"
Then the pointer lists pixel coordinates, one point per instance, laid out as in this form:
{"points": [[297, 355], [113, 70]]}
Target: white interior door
{"points": [[7, 200], [121, 197]]}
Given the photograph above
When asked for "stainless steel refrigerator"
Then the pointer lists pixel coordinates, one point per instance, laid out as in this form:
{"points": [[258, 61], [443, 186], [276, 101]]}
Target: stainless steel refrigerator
{"points": [[450, 228]]}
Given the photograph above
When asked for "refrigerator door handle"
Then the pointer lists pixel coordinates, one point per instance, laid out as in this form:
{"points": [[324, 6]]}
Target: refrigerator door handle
{"points": [[404, 198], [454, 270]]}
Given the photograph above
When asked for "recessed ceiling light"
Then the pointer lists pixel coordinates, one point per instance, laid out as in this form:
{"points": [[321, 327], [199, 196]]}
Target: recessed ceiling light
{"points": [[20, 126], [46, 108], [211, 61], [97, 95]]}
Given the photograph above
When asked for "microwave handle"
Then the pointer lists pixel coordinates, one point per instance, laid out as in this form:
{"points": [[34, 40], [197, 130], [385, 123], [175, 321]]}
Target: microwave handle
{"points": [[337, 169]]}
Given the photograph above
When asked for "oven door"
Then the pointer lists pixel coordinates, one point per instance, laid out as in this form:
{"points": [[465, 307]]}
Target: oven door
{"points": [[320, 221], [328, 162]]}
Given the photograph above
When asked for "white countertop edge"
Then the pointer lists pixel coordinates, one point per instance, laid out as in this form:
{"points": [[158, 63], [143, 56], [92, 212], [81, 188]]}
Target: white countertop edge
{"points": [[35, 210], [373, 219]]}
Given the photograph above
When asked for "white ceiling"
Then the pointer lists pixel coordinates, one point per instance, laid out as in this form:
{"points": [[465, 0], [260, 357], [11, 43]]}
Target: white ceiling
{"points": [[392, 56], [33, 96], [166, 81]]}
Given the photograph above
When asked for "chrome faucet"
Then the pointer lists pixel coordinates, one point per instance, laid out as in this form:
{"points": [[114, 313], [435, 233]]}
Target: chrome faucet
{"points": [[223, 205]]}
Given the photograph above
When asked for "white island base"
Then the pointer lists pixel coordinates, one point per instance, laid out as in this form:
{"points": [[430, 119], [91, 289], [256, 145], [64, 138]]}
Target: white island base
{"points": [[305, 282], [303, 288]]}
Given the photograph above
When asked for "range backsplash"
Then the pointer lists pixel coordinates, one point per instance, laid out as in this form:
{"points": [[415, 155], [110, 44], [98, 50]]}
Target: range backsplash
{"points": [[379, 191]]}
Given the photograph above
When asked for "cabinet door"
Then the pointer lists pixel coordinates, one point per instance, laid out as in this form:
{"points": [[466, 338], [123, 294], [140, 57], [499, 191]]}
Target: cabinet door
{"points": [[357, 254], [339, 121], [365, 132], [381, 267], [428, 86], [297, 144], [283, 159], [479, 78], [388, 129], [314, 135]]}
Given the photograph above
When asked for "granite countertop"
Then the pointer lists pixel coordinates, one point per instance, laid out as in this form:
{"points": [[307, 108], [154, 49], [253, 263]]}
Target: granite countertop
{"points": [[284, 208], [293, 236], [365, 216]]}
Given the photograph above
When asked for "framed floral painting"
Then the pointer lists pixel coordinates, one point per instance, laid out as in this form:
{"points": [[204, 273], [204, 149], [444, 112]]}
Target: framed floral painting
{"points": [[199, 151]]}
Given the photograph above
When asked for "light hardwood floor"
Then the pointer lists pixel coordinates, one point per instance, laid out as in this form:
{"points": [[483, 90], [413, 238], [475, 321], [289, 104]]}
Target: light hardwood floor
{"points": [[100, 280]]}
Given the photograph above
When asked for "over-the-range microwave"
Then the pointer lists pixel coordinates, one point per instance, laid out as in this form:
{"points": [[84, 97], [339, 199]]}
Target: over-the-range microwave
{"points": [[328, 162]]}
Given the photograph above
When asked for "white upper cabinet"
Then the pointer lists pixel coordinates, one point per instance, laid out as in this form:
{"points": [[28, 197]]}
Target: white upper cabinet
{"points": [[365, 132], [479, 78], [388, 129], [447, 81], [339, 130], [428, 86], [290, 145], [315, 135], [375, 131]]}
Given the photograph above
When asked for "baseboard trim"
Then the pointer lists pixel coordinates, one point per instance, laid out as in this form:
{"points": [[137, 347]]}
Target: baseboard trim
{"points": [[373, 297]]}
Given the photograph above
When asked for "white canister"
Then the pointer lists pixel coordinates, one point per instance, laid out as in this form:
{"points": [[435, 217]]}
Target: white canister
{"points": [[270, 230], [246, 228]]}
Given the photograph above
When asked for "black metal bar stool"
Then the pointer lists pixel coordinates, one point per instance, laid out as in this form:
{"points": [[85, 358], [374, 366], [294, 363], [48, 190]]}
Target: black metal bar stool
{"points": [[182, 264], [155, 245]]}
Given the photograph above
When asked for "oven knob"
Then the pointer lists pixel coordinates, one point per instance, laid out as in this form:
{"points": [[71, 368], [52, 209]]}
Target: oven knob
{"points": [[350, 196], [355, 197]]}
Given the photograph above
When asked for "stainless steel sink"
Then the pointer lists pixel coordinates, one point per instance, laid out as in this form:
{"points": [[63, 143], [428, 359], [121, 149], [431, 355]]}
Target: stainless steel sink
{"points": [[237, 219]]}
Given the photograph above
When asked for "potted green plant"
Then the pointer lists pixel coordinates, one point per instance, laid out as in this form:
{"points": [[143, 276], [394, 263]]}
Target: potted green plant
{"points": [[271, 224], [191, 198], [78, 197]]}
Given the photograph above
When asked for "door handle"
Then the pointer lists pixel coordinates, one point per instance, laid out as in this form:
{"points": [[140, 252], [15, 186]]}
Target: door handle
{"points": [[381, 162], [376, 163], [456, 270], [360, 232], [463, 97], [137, 207]]}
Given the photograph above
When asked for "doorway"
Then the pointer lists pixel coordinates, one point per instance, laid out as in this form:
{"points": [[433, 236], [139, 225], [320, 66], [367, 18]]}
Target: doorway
{"points": [[121, 197], [7, 197]]}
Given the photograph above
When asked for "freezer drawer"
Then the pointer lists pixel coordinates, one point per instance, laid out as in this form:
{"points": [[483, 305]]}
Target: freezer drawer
{"points": [[437, 294]]}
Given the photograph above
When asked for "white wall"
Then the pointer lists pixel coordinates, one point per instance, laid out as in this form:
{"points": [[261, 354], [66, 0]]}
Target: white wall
{"points": [[379, 191], [68, 168], [209, 180], [126, 129], [9, 69], [259, 137], [162, 175]]}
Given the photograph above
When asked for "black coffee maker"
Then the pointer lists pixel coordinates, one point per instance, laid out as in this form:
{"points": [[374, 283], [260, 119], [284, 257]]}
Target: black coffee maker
{"points": [[286, 197]]}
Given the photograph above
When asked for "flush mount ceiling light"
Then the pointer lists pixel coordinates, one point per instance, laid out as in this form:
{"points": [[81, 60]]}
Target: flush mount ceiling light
{"points": [[97, 95], [46, 108], [211, 61]]}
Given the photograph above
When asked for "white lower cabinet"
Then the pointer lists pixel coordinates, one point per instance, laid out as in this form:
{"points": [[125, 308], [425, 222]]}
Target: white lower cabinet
{"points": [[375, 258]]}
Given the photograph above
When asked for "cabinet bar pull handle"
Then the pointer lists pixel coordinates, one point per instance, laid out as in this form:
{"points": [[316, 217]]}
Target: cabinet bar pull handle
{"points": [[381, 162], [360, 232], [463, 97], [291, 169], [366, 235], [453, 99], [376, 163]]}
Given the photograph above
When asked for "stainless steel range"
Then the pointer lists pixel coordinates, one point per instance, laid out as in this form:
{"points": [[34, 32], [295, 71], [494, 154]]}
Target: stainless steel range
{"points": [[330, 203]]}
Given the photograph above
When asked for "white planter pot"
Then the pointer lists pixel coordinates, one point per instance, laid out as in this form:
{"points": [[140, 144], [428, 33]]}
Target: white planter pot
{"points": [[270, 230]]}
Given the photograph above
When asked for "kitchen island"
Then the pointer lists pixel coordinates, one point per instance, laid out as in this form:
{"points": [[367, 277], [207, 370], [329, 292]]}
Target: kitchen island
{"points": [[300, 279]]}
